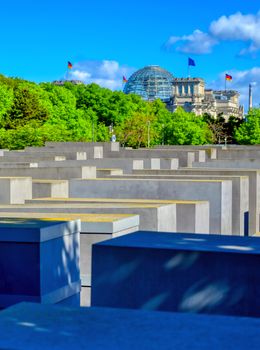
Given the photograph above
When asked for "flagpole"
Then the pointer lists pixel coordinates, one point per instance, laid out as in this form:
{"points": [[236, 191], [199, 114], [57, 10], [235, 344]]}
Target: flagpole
{"points": [[225, 83]]}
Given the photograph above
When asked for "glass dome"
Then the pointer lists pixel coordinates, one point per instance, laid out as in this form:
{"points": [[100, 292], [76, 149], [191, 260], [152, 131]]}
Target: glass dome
{"points": [[150, 83]]}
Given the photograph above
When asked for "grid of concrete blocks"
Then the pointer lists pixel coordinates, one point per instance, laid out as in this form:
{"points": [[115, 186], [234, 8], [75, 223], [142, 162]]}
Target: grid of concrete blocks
{"points": [[170, 228]]}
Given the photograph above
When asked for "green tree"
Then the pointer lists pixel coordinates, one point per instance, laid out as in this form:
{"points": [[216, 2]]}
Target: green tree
{"points": [[30, 102], [187, 129], [63, 102], [137, 131], [222, 129], [6, 101], [249, 131]]}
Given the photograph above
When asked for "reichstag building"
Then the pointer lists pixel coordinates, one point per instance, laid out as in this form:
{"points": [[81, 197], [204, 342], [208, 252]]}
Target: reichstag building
{"points": [[153, 82]]}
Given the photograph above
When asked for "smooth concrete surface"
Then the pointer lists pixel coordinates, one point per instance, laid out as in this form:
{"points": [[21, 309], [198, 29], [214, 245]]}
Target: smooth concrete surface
{"points": [[197, 212], [239, 154], [217, 192], [41, 153], [154, 217], [50, 188], [15, 190], [18, 165], [231, 163], [55, 172], [31, 327], [185, 157], [205, 152], [209, 274], [94, 150], [240, 193], [254, 188], [90, 223], [39, 260], [169, 163], [127, 165], [109, 172], [94, 228]]}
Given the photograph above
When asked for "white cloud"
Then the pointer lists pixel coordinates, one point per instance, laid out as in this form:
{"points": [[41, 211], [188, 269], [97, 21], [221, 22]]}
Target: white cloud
{"points": [[236, 27], [197, 42], [240, 82], [80, 75], [106, 73]]}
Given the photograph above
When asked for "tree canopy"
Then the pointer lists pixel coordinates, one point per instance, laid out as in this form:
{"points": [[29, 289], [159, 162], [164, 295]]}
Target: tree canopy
{"points": [[31, 114]]}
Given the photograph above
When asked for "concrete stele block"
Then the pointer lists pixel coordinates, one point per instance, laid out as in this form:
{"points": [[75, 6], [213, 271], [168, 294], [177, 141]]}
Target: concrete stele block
{"points": [[178, 272], [15, 190], [39, 260], [89, 172], [33, 326], [190, 159], [59, 158], [155, 163], [217, 192], [138, 164], [98, 152], [50, 188], [81, 155], [169, 163]]}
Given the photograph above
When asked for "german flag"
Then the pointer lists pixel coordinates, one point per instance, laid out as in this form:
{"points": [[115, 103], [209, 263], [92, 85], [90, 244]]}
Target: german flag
{"points": [[124, 79], [70, 65], [229, 77]]}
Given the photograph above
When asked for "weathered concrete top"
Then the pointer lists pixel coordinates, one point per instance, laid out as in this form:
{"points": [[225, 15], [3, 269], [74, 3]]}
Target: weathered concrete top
{"points": [[64, 216], [113, 200], [155, 179], [93, 223], [34, 326], [49, 181], [187, 241], [28, 230], [74, 205]]}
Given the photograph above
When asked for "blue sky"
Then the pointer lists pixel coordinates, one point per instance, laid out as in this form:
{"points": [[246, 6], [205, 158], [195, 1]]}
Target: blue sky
{"points": [[107, 39]]}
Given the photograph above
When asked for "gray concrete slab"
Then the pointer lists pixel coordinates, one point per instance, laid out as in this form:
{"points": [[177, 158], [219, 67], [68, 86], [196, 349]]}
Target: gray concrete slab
{"points": [[217, 192], [94, 228], [240, 193], [155, 217], [15, 190], [230, 163], [35, 326], [70, 151], [58, 172], [254, 188], [185, 157], [196, 211], [108, 172], [50, 188], [35, 154]]}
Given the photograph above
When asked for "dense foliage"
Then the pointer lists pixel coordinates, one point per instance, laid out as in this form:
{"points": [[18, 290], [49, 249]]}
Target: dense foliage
{"points": [[31, 114], [249, 132]]}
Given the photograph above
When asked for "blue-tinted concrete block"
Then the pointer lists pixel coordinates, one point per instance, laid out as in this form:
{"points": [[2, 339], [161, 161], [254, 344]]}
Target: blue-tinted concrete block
{"points": [[178, 272], [33, 326], [39, 260], [73, 301]]}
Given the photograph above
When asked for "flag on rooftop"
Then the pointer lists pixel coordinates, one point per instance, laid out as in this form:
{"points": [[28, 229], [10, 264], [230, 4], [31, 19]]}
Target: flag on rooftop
{"points": [[70, 65], [191, 62], [229, 77], [124, 79]]}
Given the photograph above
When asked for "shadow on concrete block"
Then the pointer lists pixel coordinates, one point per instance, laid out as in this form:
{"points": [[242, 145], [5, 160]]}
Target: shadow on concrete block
{"points": [[178, 272], [39, 261]]}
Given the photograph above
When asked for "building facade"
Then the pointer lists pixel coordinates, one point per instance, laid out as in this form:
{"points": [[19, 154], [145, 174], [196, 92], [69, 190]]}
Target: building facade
{"points": [[154, 82], [190, 93]]}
